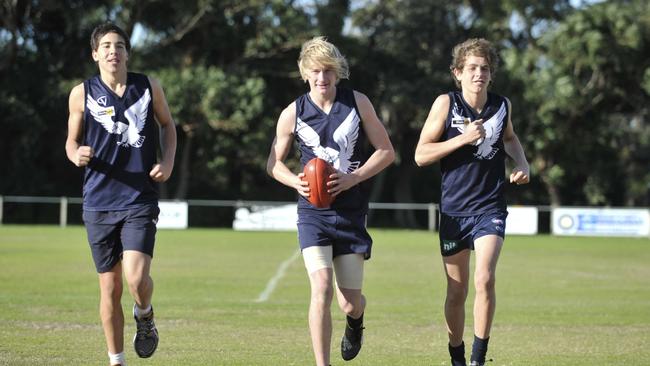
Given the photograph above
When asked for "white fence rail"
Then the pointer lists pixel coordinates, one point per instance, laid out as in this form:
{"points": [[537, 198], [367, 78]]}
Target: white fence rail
{"points": [[590, 221], [63, 202]]}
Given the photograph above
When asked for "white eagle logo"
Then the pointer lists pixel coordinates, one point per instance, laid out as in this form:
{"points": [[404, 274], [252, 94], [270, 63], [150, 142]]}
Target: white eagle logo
{"points": [[493, 127], [345, 136], [136, 116]]}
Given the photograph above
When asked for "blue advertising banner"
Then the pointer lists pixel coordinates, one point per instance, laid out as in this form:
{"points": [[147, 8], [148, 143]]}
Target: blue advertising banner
{"points": [[601, 221]]}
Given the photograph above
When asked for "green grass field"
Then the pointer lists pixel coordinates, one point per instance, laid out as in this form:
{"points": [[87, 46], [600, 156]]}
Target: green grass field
{"points": [[561, 301]]}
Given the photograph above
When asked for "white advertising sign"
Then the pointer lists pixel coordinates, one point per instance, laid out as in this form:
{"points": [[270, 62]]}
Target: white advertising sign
{"points": [[266, 218], [173, 215], [522, 220], [601, 222]]}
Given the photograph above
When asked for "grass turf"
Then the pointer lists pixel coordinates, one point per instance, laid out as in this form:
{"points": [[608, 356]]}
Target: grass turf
{"points": [[561, 301]]}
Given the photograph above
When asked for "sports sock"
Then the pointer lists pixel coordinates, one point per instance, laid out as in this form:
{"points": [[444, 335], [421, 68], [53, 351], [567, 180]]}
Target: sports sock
{"points": [[479, 349], [142, 312], [458, 353], [117, 358], [355, 323]]}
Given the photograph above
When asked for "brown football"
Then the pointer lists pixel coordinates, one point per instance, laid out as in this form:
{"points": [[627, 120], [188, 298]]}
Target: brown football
{"points": [[317, 172]]}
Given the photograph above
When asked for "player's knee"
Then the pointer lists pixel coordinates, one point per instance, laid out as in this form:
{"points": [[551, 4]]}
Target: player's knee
{"points": [[138, 284], [351, 309], [321, 300], [113, 294], [456, 295], [352, 304], [111, 287], [484, 281], [322, 294]]}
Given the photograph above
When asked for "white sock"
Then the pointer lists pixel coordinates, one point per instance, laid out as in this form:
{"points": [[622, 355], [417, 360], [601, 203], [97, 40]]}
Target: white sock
{"points": [[117, 359], [140, 312]]}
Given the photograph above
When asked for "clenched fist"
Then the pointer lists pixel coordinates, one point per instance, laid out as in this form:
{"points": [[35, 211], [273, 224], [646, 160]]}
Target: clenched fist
{"points": [[83, 156], [160, 172]]}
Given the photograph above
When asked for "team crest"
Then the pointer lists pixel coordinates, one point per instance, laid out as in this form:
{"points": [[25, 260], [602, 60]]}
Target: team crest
{"points": [[102, 101]]}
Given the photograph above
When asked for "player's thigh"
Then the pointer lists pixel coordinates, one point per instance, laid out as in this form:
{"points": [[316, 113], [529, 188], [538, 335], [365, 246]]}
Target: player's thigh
{"points": [[348, 271], [487, 249], [137, 265], [317, 257], [318, 263], [457, 268], [110, 282]]}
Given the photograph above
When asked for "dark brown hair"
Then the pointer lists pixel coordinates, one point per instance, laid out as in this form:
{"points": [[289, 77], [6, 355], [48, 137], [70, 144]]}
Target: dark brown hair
{"points": [[105, 28]]}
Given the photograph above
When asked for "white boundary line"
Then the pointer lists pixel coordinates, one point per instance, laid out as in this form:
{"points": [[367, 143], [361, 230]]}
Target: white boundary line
{"points": [[273, 282]]}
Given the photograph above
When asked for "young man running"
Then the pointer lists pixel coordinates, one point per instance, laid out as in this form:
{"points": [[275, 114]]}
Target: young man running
{"points": [[332, 123], [470, 132], [112, 133]]}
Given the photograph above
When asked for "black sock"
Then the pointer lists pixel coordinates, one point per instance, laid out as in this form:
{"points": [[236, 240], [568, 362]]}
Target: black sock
{"points": [[457, 353], [355, 323], [479, 349]]}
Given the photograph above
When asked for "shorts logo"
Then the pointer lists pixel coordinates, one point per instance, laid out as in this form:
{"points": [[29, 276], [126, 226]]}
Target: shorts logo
{"points": [[498, 225], [449, 245]]}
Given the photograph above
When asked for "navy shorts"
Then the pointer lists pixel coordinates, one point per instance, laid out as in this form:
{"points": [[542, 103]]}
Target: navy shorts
{"points": [[345, 232], [112, 232], [459, 232]]}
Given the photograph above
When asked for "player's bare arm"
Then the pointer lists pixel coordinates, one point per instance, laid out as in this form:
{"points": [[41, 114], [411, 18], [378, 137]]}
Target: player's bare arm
{"points": [[162, 171], [280, 148], [429, 148], [382, 157], [79, 155], [521, 171]]}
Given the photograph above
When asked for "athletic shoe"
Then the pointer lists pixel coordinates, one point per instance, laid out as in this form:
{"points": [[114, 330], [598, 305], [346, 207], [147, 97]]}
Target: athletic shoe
{"points": [[145, 340], [476, 363], [351, 342], [458, 363]]}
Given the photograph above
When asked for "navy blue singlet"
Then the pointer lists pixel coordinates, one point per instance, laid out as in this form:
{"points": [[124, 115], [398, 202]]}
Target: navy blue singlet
{"points": [[473, 176], [337, 137], [122, 131]]}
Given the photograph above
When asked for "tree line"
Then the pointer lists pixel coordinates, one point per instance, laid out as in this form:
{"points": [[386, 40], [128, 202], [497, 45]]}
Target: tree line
{"points": [[577, 74]]}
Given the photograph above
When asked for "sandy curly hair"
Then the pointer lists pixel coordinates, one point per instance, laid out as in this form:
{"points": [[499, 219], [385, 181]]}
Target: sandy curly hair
{"points": [[479, 47]]}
